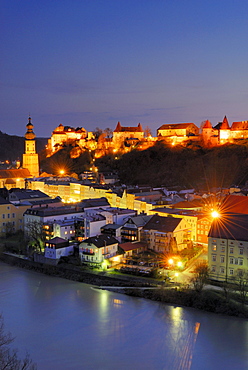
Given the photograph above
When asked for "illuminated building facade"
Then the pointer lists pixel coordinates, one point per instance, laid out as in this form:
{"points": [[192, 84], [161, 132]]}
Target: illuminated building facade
{"points": [[30, 157], [228, 246]]}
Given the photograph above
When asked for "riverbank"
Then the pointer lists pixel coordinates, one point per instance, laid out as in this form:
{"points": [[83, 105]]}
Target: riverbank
{"points": [[207, 300]]}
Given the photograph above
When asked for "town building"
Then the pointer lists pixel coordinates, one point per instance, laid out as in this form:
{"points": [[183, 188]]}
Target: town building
{"points": [[56, 248], [166, 234], [228, 246], [30, 157], [98, 248]]}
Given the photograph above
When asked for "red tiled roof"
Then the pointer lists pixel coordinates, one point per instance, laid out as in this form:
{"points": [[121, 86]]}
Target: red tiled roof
{"points": [[120, 128], [243, 125], [175, 126], [15, 173], [207, 124], [225, 124], [234, 204]]}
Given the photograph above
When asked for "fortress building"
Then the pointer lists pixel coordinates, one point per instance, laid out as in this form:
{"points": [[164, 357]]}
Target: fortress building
{"points": [[30, 157]]}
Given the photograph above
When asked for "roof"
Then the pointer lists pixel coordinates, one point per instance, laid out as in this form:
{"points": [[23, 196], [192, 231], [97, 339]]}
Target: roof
{"points": [[225, 124], [132, 246], [28, 194], [234, 204], [97, 202], [111, 227], [101, 240], [15, 173], [243, 125], [120, 128], [196, 203], [207, 124], [175, 126], [232, 226], [139, 220], [165, 224]]}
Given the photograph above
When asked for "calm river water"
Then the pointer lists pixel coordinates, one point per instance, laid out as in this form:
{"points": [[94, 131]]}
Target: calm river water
{"points": [[69, 325]]}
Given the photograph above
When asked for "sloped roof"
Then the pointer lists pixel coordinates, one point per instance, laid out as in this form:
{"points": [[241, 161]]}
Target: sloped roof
{"points": [[225, 124], [207, 124], [101, 240], [15, 173], [196, 203], [176, 126], [232, 226], [120, 128], [139, 220], [234, 204], [243, 125], [164, 224], [132, 246]]}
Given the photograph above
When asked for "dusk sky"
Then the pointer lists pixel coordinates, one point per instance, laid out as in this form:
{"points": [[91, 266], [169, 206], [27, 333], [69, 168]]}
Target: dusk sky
{"points": [[92, 63]]}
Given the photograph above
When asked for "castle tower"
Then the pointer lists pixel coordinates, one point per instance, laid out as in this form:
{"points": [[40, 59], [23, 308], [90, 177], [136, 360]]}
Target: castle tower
{"points": [[30, 158], [207, 132], [224, 131]]}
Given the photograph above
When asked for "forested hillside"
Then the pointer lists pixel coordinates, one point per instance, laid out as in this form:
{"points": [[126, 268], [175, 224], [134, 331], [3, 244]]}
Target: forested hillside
{"points": [[12, 147]]}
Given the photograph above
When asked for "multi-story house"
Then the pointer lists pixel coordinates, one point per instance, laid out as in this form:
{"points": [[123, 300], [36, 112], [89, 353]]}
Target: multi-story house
{"points": [[166, 234], [11, 217], [228, 246], [131, 229], [98, 248]]}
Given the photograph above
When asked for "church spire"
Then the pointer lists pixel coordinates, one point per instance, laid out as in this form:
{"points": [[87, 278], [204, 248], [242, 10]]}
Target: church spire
{"points": [[30, 135]]}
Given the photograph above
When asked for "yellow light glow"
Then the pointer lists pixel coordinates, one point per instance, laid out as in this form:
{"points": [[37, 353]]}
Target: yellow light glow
{"points": [[179, 264], [176, 274], [215, 214], [170, 261], [62, 172]]}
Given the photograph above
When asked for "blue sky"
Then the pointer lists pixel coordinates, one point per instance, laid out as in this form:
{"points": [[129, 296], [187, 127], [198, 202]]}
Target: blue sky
{"points": [[92, 63]]}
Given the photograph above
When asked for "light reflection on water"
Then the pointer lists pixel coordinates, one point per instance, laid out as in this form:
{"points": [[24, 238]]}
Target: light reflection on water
{"points": [[69, 325]]}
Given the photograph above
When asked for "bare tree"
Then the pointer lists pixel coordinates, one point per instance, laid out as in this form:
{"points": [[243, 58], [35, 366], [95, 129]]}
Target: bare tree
{"points": [[35, 234], [241, 285], [9, 357], [201, 274], [108, 132], [147, 131]]}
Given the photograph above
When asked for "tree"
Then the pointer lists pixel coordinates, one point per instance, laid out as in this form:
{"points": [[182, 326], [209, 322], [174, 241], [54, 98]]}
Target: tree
{"points": [[147, 131], [35, 234], [9, 357], [97, 133], [241, 285], [200, 278], [108, 132]]}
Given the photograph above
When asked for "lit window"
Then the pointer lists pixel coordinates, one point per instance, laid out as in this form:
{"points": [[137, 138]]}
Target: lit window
{"points": [[214, 247]]}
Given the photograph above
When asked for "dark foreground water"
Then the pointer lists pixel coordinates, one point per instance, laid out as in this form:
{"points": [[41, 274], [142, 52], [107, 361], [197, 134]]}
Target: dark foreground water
{"points": [[70, 325]]}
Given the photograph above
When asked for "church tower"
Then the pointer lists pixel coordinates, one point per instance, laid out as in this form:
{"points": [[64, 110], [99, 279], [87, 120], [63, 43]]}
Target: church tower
{"points": [[30, 158]]}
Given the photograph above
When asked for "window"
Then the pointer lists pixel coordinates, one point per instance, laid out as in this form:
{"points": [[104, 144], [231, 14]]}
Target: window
{"points": [[214, 257], [236, 261], [231, 260], [222, 259], [231, 250], [240, 261], [231, 271], [223, 249], [213, 268], [214, 247], [222, 270], [241, 251], [13, 215], [8, 215], [3, 215]]}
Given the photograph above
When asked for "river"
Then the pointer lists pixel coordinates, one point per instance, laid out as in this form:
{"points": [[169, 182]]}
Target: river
{"points": [[68, 325]]}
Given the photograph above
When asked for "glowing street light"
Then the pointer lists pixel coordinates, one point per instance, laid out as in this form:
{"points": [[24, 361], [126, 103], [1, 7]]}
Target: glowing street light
{"points": [[170, 261], [215, 214]]}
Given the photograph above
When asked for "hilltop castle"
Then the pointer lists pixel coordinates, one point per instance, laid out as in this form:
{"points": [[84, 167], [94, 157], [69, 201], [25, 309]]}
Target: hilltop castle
{"points": [[126, 138]]}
